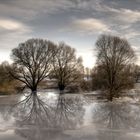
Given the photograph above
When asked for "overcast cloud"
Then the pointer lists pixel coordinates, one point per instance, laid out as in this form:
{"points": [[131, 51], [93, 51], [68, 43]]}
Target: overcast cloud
{"points": [[77, 22]]}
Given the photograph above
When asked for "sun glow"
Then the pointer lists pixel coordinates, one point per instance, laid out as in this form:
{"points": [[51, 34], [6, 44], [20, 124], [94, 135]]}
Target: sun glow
{"points": [[4, 56], [88, 59]]}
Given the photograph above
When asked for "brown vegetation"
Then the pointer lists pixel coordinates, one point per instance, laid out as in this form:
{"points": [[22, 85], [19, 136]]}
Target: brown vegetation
{"points": [[8, 85]]}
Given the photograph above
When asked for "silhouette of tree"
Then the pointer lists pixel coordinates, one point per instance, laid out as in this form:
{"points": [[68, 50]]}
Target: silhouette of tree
{"points": [[32, 61], [114, 58], [67, 68]]}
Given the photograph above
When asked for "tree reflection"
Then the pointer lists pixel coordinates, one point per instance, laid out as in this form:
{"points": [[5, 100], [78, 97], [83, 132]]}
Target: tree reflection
{"points": [[115, 115], [114, 120], [69, 112], [32, 111], [40, 120]]}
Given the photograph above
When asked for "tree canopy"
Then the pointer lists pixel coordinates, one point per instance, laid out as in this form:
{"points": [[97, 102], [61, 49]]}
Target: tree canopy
{"points": [[114, 58], [32, 61], [67, 68]]}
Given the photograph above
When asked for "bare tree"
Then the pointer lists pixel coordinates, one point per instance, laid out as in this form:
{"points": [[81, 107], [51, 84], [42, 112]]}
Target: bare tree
{"points": [[67, 68], [114, 58], [32, 61]]}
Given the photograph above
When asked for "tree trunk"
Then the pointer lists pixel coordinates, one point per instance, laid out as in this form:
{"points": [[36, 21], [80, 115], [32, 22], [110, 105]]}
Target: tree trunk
{"points": [[61, 88], [34, 90], [110, 98], [111, 95]]}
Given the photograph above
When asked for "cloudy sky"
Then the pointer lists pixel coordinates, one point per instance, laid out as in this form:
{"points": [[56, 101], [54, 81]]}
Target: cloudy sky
{"points": [[77, 22]]}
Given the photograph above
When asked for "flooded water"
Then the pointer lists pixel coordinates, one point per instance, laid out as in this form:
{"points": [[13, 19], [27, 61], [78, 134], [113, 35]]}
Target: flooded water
{"points": [[50, 116]]}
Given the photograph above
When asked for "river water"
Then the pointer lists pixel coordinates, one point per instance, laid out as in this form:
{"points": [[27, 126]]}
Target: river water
{"points": [[50, 116]]}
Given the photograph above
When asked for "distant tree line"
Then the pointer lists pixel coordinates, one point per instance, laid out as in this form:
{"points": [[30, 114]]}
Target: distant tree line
{"points": [[8, 85], [37, 60]]}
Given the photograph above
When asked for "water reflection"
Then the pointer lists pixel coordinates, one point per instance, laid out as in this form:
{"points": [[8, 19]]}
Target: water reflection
{"points": [[40, 120], [70, 117], [115, 120], [32, 111], [116, 115], [109, 121], [69, 112]]}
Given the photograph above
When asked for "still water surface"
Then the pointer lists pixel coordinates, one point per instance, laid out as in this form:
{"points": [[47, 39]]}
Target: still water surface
{"points": [[50, 116]]}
